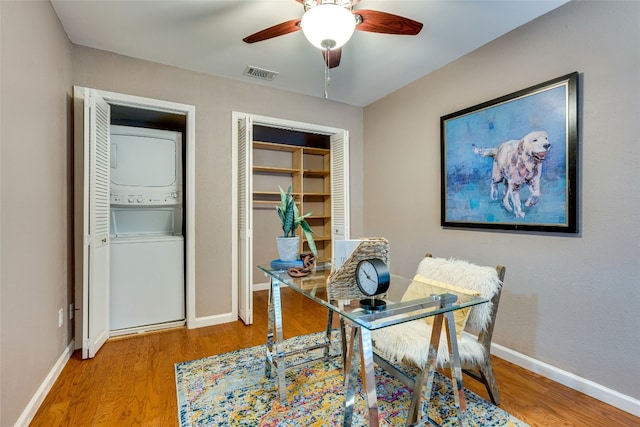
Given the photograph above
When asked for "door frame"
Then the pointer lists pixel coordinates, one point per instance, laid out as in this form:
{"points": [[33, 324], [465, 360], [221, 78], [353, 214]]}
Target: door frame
{"points": [[236, 116], [113, 98]]}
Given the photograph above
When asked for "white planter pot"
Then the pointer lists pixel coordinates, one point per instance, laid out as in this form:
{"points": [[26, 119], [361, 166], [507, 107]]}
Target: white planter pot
{"points": [[288, 248]]}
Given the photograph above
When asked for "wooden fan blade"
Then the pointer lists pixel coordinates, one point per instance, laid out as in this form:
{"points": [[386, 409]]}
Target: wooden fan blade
{"points": [[275, 31], [375, 21], [332, 57]]}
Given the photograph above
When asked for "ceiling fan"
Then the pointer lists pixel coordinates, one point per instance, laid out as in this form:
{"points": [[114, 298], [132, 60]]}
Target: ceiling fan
{"points": [[328, 25]]}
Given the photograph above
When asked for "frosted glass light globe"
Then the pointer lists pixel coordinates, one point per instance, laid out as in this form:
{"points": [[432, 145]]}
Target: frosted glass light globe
{"points": [[328, 26]]}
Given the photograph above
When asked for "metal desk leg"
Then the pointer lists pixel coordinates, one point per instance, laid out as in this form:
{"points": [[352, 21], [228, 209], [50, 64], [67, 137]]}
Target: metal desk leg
{"points": [[456, 371], [350, 379], [415, 412], [343, 335], [328, 334], [362, 347], [368, 375], [424, 394], [343, 345], [275, 350]]}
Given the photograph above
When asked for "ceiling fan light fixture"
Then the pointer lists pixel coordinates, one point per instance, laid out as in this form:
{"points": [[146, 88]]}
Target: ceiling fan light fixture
{"points": [[328, 26]]}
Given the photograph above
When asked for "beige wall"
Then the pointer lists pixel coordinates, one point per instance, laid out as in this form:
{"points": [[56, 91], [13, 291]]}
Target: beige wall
{"points": [[215, 99], [569, 300], [37, 79], [36, 200]]}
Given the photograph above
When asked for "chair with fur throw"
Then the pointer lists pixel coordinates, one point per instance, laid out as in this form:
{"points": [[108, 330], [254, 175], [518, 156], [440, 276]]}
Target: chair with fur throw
{"points": [[408, 344]]}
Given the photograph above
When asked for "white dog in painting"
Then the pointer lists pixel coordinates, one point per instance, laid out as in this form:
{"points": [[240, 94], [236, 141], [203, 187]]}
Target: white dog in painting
{"points": [[517, 163]]}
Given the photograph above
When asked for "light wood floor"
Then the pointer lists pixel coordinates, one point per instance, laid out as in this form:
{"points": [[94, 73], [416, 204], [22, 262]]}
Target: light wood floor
{"points": [[131, 380]]}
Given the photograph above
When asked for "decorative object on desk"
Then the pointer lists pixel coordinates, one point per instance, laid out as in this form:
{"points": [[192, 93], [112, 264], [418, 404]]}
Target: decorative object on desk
{"points": [[290, 218], [288, 247], [231, 390], [341, 283], [278, 264], [308, 260], [372, 278]]}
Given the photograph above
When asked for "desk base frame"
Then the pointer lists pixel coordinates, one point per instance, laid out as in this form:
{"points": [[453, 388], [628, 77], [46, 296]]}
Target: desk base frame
{"points": [[276, 354], [360, 346]]}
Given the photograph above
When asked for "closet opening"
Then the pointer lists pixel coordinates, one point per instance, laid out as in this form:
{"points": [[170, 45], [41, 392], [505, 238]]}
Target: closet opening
{"points": [[273, 154]]}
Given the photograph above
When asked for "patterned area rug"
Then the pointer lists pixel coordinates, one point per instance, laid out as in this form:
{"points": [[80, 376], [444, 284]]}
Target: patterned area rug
{"points": [[231, 389]]}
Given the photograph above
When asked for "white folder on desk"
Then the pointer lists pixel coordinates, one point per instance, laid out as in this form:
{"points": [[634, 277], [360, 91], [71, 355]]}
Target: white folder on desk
{"points": [[343, 249]]}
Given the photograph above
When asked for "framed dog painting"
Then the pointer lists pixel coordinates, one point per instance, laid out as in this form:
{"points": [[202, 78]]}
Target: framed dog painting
{"points": [[510, 163]]}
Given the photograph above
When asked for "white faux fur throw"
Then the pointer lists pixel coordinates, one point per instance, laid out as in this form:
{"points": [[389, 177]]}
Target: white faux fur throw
{"points": [[465, 275], [410, 341]]}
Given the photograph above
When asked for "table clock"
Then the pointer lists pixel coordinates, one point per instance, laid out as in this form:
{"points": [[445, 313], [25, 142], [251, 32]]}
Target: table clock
{"points": [[372, 278]]}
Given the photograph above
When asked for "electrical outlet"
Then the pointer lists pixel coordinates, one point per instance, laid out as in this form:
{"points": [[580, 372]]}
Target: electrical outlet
{"points": [[60, 318], [71, 311]]}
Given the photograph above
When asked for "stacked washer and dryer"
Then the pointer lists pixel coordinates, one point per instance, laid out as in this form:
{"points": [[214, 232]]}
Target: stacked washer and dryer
{"points": [[147, 242]]}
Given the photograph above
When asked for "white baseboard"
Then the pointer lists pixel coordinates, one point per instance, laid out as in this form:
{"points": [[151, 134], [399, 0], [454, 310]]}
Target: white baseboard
{"points": [[583, 385], [146, 328], [201, 322], [260, 286], [44, 389], [265, 286]]}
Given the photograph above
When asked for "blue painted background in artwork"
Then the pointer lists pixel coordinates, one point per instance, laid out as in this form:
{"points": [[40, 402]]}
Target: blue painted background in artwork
{"points": [[468, 175]]}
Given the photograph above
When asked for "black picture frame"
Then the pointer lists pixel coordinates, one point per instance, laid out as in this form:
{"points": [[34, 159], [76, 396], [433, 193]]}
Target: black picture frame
{"points": [[511, 163]]}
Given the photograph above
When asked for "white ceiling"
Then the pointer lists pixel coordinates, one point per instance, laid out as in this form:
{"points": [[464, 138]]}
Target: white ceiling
{"points": [[206, 36]]}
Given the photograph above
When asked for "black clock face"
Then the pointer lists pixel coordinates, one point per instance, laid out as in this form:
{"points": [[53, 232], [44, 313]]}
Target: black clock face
{"points": [[372, 276]]}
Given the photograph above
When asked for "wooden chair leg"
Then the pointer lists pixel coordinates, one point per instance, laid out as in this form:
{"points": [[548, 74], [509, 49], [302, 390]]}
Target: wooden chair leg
{"points": [[489, 380], [484, 374]]}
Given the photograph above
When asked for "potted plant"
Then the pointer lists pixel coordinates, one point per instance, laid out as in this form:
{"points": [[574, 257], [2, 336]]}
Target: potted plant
{"points": [[291, 220]]}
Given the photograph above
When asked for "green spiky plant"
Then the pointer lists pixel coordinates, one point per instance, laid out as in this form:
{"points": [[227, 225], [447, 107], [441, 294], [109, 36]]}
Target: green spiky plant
{"points": [[291, 219]]}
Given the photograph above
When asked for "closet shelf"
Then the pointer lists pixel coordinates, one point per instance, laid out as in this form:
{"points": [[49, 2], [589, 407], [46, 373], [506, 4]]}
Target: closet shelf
{"points": [[308, 171], [275, 170], [317, 238], [272, 146], [316, 173], [319, 151], [273, 194]]}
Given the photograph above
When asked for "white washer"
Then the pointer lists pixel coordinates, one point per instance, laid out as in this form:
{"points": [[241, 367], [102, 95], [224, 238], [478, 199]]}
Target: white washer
{"points": [[147, 280]]}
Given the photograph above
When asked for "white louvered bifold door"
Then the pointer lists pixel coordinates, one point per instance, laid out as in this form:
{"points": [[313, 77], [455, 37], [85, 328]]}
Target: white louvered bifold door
{"points": [[245, 220], [96, 295], [339, 188]]}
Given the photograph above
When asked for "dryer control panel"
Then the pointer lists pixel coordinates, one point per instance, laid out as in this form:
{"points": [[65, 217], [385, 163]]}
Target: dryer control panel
{"points": [[146, 198]]}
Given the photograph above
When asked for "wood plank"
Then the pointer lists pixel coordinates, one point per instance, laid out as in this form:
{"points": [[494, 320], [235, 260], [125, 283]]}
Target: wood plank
{"points": [[260, 145], [275, 170], [131, 379]]}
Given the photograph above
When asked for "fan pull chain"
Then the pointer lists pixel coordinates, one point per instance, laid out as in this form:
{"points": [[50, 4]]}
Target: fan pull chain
{"points": [[327, 77]]}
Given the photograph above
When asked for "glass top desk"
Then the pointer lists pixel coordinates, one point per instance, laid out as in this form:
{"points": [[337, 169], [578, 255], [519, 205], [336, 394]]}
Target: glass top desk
{"points": [[441, 305]]}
